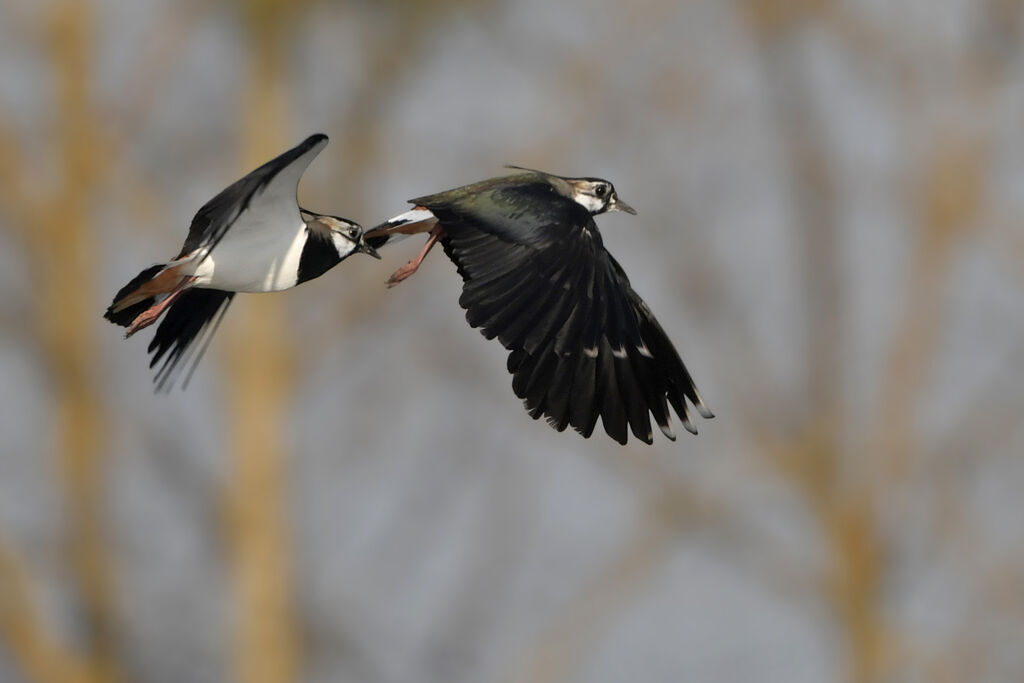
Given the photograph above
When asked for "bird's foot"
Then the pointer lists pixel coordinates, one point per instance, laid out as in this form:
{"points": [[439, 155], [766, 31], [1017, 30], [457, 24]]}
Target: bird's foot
{"points": [[144, 320], [153, 313], [404, 272], [412, 266]]}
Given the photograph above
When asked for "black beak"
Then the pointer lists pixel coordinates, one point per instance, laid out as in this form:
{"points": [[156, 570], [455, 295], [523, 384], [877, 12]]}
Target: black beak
{"points": [[617, 204], [365, 248]]}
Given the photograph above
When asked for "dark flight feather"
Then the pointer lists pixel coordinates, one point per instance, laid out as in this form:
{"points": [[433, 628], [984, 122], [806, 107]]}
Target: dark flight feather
{"points": [[214, 218], [192, 319]]}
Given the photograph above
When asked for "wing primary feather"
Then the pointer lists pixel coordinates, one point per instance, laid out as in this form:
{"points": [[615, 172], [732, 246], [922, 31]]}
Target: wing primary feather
{"points": [[528, 328], [515, 360], [208, 333], [187, 321], [582, 411], [613, 414], [556, 314], [567, 338], [493, 317], [216, 217], [543, 328], [654, 388], [559, 390], [536, 387], [633, 399]]}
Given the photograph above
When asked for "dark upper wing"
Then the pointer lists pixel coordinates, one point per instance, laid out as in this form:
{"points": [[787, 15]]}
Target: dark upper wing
{"points": [[275, 182], [537, 277], [521, 209]]}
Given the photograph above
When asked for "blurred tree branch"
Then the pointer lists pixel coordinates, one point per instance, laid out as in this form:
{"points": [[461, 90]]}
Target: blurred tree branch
{"points": [[56, 233], [402, 32], [162, 51], [40, 657], [67, 319], [561, 648], [848, 496], [814, 462], [260, 385], [19, 205], [671, 508], [948, 203]]}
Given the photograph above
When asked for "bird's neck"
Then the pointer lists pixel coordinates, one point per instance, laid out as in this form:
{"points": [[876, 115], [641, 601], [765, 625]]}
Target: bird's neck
{"points": [[319, 254]]}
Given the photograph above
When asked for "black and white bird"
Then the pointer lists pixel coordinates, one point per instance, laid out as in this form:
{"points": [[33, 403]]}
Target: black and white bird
{"points": [[252, 237], [536, 275]]}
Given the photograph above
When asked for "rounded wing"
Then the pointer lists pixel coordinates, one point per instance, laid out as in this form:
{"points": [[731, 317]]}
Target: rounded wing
{"points": [[268, 194], [583, 344]]}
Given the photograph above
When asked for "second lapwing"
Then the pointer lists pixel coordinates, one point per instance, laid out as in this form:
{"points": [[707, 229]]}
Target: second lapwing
{"points": [[252, 237], [536, 275]]}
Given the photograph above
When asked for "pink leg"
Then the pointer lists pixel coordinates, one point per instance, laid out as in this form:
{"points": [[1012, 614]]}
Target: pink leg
{"points": [[412, 266], [151, 314]]}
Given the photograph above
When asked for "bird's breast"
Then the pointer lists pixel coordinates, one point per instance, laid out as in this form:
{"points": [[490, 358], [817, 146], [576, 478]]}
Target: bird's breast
{"points": [[253, 260]]}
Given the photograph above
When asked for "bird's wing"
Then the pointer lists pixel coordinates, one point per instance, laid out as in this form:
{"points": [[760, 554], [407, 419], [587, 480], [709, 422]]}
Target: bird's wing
{"points": [[583, 344], [269, 192], [188, 325]]}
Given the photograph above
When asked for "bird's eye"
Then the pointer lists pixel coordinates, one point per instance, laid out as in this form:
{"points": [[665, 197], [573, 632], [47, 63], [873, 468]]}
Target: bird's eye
{"points": [[600, 190]]}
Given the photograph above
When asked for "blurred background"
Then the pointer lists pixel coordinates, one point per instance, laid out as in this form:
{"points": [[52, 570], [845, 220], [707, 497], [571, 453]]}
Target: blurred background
{"points": [[829, 199]]}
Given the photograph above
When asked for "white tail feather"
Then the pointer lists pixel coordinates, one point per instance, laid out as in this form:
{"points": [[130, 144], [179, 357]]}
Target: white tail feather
{"points": [[401, 226]]}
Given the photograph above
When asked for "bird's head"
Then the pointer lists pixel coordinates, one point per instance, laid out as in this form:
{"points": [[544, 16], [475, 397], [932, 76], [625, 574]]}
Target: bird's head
{"points": [[597, 196], [345, 235]]}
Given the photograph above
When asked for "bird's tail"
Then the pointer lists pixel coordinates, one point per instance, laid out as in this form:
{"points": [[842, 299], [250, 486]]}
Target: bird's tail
{"points": [[414, 221], [138, 295]]}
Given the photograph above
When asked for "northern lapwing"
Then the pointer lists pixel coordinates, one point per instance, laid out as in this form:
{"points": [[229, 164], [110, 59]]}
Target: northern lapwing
{"points": [[252, 237], [536, 275]]}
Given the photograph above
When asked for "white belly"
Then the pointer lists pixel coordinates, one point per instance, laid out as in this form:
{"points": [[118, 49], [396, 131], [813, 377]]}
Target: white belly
{"points": [[254, 257]]}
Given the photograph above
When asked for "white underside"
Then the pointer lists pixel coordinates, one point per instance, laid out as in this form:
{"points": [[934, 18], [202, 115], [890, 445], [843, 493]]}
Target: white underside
{"points": [[418, 215], [260, 252]]}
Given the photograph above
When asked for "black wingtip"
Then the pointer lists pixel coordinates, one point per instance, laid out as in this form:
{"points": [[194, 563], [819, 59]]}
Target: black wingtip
{"points": [[315, 139], [191, 320]]}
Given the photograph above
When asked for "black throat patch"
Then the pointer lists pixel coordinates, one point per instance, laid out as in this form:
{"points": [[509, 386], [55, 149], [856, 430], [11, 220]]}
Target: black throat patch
{"points": [[318, 256]]}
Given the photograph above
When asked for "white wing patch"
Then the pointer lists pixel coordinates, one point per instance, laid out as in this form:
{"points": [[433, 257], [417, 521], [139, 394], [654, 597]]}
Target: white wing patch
{"points": [[261, 250], [417, 215], [261, 257], [399, 227]]}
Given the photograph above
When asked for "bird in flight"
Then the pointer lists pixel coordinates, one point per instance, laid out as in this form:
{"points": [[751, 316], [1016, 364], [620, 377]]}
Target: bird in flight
{"points": [[536, 275], [252, 237]]}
